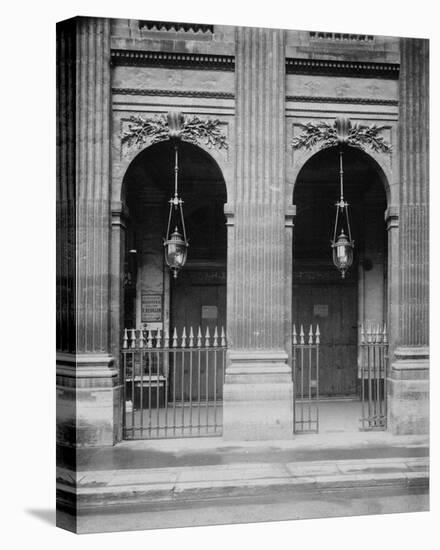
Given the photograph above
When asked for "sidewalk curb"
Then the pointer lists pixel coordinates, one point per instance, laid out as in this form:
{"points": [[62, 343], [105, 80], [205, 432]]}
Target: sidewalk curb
{"points": [[102, 490]]}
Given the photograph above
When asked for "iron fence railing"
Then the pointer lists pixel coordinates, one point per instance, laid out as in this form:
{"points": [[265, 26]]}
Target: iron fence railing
{"points": [[173, 387], [305, 373], [373, 376]]}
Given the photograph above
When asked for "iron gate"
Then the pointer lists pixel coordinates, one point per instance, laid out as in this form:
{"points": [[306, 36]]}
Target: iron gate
{"points": [[305, 373], [173, 388], [373, 377]]}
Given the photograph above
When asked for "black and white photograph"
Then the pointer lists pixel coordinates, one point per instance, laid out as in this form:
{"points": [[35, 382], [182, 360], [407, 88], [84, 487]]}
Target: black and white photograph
{"points": [[241, 276]]}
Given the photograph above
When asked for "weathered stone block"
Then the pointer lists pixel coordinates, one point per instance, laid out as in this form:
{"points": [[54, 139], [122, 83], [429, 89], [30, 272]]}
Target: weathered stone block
{"points": [[408, 398], [258, 397]]}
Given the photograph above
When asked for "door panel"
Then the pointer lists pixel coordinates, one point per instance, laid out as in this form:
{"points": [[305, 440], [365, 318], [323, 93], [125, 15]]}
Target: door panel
{"points": [[198, 305], [334, 308], [189, 304]]}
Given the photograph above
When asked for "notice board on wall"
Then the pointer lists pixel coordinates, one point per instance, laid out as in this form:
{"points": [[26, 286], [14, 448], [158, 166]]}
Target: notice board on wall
{"points": [[151, 308]]}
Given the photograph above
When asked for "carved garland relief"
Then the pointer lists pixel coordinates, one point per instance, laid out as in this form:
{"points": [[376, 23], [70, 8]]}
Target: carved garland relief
{"points": [[147, 131], [342, 131]]}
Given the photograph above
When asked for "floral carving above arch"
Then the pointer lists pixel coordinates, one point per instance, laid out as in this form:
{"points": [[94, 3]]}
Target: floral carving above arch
{"points": [[341, 132], [142, 131]]}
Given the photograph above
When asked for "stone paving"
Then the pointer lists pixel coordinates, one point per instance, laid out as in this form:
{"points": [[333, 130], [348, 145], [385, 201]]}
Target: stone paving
{"points": [[108, 488], [174, 473], [138, 479]]}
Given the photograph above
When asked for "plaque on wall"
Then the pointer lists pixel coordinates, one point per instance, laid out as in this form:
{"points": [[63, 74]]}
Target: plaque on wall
{"points": [[320, 310], [209, 312], [151, 308]]}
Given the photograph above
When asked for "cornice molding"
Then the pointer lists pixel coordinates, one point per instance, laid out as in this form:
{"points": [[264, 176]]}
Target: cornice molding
{"points": [[342, 68], [169, 26], [231, 95], [173, 93], [173, 59], [340, 37], [355, 100], [227, 63]]}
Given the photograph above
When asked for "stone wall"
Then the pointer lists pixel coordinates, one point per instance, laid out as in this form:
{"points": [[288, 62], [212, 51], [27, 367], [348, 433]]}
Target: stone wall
{"points": [[261, 84]]}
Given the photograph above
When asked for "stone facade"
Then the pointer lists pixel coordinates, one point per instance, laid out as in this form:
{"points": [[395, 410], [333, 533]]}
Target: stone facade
{"points": [[261, 85]]}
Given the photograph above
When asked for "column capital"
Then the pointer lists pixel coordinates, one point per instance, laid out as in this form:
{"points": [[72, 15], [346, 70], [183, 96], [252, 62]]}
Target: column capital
{"points": [[392, 217], [229, 214], [120, 213], [290, 215]]}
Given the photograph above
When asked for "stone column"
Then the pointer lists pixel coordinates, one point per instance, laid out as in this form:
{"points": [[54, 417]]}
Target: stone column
{"points": [[392, 225], [119, 215], [289, 226], [409, 384], [86, 378], [258, 384]]}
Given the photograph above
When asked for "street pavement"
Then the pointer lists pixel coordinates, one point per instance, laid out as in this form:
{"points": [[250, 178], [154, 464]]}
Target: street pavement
{"points": [[157, 484]]}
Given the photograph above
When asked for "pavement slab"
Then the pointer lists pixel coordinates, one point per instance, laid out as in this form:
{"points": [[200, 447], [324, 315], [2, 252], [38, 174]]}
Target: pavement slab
{"points": [[199, 475], [122, 487]]}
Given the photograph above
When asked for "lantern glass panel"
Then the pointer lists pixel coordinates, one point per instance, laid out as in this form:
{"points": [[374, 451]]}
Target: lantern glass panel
{"points": [[176, 254], [175, 251], [342, 253]]}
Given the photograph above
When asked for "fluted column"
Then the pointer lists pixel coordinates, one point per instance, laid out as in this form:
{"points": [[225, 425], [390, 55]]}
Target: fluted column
{"points": [[85, 374], [66, 188], [93, 181], [260, 175], [414, 211], [258, 386], [409, 373]]}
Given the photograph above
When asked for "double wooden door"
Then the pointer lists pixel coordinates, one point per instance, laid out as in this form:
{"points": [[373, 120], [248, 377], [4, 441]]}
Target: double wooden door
{"points": [[334, 307]]}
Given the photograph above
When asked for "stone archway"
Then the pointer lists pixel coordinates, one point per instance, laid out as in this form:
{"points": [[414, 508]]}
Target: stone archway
{"points": [[147, 187], [319, 295], [148, 296]]}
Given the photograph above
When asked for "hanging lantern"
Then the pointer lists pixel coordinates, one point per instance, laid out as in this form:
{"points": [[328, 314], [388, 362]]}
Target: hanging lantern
{"points": [[176, 243], [343, 245], [175, 252]]}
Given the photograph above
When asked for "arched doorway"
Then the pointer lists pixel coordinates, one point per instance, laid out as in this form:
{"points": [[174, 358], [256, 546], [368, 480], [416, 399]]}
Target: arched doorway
{"points": [[179, 308], [319, 294], [148, 185]]}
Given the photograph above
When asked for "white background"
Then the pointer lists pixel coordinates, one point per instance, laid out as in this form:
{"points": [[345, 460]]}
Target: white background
{"points": [[27, 286]]}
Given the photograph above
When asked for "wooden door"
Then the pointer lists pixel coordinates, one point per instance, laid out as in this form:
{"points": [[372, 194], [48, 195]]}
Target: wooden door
{"points": [[334, 308], [198, 305], [199, 300]]}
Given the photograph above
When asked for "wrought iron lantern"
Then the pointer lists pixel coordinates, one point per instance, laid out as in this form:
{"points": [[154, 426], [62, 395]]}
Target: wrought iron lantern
{"points": [[342, 245], [176, 243]]}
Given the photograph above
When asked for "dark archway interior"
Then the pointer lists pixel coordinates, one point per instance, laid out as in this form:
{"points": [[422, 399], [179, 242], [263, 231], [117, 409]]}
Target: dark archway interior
{"points": [[320, 295], [317, 190], [150, 180], [148, 185]]}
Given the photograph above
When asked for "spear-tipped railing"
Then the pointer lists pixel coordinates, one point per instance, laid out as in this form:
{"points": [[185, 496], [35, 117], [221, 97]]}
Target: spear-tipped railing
{"points": [[373, 376], [305, 373], [173, 383]]}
